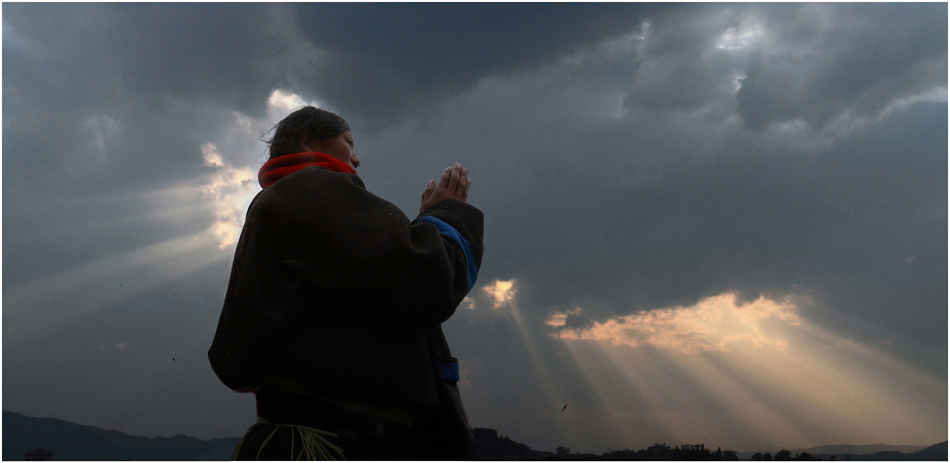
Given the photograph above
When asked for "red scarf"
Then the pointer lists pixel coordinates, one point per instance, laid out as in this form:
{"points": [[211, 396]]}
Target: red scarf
{"points": [[282, 166]]}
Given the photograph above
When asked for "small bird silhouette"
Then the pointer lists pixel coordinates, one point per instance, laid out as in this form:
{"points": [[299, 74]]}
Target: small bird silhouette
{"points": [[565, 407], [173, 359]]}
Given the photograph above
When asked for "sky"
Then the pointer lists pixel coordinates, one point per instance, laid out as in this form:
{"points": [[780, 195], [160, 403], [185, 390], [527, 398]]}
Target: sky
{"points": [[704, 223]]}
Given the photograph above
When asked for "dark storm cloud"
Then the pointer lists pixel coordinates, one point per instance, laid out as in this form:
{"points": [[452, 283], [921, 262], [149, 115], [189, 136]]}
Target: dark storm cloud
{"points": [[104, 104], [679, 72], [92, 67], [140, 52], [619, 200], [736, 212], [409, 56], [875, 54], [141, 80]]}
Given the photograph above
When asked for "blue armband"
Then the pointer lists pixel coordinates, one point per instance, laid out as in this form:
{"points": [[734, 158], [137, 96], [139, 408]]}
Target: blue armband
{"points": [[447, 371], [448, 231]]}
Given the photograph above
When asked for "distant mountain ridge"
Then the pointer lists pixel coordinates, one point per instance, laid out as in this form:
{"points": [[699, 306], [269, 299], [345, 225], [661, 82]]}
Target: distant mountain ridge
{"points": [[70, 441], [846, 449], [872, 452], [861, 449]]}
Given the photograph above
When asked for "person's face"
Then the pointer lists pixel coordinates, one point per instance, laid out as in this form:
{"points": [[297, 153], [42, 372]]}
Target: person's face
{"points": [[339, 147]]}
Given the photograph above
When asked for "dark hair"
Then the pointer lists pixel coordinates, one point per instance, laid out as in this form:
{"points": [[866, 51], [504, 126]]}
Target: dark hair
{"points": [[303, 125]]}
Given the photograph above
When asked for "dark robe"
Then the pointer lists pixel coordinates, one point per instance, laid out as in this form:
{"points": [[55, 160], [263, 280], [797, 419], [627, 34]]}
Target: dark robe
{"points": [[334, 308]]}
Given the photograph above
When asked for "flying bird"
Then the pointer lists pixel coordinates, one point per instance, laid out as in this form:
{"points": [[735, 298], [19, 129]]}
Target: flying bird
{"points": [[565, 407]]}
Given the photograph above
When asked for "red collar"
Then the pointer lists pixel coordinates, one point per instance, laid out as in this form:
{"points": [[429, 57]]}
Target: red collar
{"points": [[282, 166]]}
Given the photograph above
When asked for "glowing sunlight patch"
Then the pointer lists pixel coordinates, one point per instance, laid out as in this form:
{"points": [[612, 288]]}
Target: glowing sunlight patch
{"points": [[235, 159], [280, 103], [737, 38], [228, 189], [712, 324], [501, 291]]}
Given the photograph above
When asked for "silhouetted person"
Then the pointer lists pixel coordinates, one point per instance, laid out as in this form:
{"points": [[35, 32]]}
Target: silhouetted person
{"points": [[333, 312]]}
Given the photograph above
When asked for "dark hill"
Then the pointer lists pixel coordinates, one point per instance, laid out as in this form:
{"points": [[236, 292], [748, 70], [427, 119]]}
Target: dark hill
{"points": [[936, 452], [859, 449], [69, 441]]}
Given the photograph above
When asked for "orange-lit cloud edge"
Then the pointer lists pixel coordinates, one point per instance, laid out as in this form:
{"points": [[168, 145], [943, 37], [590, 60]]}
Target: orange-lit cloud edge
{"points": [[742, 375]]}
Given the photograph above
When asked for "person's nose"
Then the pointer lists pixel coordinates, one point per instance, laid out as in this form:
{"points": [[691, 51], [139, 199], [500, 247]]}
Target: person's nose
{"points": [[356, 160]]}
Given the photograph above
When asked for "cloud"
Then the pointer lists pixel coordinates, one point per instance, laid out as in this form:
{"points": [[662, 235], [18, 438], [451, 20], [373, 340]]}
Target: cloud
{"points": [[228, 188], [501, 291], [558, 319], [712, 324], [392, 83], [645, 209], [887, 54], [491, 296], [281, 102]]}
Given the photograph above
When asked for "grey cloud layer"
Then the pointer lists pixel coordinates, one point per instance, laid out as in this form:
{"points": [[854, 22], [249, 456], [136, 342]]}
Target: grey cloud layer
{"points": [[873, 55], [618, 202], [619, 208], [408, 57]]}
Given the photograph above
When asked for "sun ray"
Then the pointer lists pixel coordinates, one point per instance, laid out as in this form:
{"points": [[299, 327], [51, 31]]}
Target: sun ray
{"points": [[552, 394], [762, 366], [502, 295], [601, 374], [97, 283]]}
